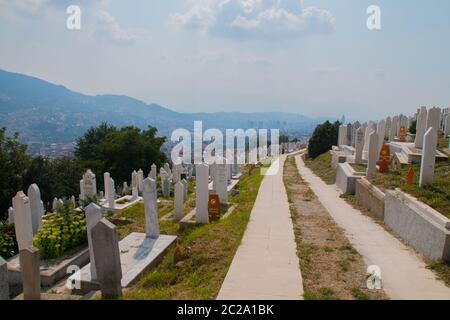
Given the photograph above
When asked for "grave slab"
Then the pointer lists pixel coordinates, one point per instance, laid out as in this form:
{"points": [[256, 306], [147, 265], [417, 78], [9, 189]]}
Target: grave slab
{"points": [[51, 270], [138, 254]]}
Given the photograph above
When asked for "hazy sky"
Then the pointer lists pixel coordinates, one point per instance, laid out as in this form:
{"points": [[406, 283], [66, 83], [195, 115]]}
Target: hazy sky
{"points": [[313, 57]]}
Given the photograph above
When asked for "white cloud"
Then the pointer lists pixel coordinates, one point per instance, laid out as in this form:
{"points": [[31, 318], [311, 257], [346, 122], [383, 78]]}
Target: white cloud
{"points": [[107, 27], [255, 18]]}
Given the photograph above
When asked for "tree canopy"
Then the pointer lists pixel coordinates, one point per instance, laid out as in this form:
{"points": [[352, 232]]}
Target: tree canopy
{"points": [[323, 138]]}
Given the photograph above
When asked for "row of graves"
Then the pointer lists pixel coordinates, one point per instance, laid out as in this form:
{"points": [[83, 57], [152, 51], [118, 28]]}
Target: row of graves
{"points": [[106, 263], [369, 149]]}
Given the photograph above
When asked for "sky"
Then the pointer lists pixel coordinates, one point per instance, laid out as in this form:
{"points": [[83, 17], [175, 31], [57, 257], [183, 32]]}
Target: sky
{"points": [[312, 57]]}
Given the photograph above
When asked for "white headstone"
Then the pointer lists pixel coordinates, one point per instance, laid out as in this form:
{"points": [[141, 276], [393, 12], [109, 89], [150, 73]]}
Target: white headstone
{"points": [[134, 185], [89, 184], [22, 221], [54, 204], [73, 201], [201, 193], [388, 127], [93, 216], [111, 194], [373, 154], [359, 145], [167, 169], [381, 130], [447, 126], [140, 175], [369, 131], [82, 194], [394, 128], [421, 127], [153, 172], [106, 182], [36, 207], [179, 200], [428, 157], [10, 215], [165, 184], [434, 119], [221, 183], [149, 194]]}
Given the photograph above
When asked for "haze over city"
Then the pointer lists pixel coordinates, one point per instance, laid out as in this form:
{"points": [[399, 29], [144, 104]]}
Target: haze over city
{"points": [[316, 58]]}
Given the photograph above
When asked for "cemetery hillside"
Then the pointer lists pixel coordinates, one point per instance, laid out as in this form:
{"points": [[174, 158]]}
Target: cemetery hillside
{"points": [[224, 159]]}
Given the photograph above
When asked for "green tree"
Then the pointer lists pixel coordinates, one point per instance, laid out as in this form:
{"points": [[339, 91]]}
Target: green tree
{"points": [[412, 127], [14, 162], [325, 135], [119, 151]]}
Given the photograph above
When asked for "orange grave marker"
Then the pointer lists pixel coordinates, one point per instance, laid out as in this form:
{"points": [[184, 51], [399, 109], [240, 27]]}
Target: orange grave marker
{"points": [[402, 134], [385, 157], [410, 177], [214, 207]]}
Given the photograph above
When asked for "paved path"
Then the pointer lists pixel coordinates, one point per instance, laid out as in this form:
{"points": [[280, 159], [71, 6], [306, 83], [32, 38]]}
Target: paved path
{"points": [[266, 265], [403, 272]]}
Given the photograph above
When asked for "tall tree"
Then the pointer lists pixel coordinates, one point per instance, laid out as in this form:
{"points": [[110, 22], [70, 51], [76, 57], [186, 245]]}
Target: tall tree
{"points": [[324, 137], [120, 151], [14, 162]]}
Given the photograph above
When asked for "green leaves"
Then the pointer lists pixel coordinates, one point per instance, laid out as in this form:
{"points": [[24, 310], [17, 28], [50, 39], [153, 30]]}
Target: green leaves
{"points": [[325, 135], [60, 232]]}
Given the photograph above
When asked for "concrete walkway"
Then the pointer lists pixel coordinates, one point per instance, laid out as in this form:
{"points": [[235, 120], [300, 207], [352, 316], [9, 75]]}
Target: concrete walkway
{"points": [[266, 265], [404, 274]]}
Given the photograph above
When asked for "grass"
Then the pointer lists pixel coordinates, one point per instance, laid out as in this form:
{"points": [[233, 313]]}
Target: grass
{"points": [[359, 167], [436, 195], [321, 166], [442, 270], [443, 143], [196, 267]]}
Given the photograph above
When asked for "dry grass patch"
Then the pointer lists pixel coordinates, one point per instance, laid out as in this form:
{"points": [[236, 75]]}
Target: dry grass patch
{"points": [[331, 268]]}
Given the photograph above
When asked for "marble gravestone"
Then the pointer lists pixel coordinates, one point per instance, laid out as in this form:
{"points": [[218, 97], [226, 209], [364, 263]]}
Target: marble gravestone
{"points": [[93, 216], [221, 183], [151, 208], [373, 154], [36, 207], [165, 184], [359, 145], [447, 126], [201, 193], [178, 200], [107, 257], [23, 222], [428, 157], [88, 185], [106, 182], [111, 194], [140, 176], [421, 127], [153, 172], [10, 215], [30, 269], [134, 186]]}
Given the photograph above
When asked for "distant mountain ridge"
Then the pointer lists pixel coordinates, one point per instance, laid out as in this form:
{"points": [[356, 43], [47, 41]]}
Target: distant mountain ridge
{"points": [[46, 113]]}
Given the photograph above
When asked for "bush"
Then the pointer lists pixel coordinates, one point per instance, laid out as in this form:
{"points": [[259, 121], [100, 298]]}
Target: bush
{"points": [[60, 232], [412, 127], [325, 135], [7, 245]]}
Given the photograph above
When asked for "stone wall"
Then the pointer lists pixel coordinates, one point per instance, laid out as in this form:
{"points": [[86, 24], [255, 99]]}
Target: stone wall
{"points": [[346, 178], [421, 226], [370, 197]]}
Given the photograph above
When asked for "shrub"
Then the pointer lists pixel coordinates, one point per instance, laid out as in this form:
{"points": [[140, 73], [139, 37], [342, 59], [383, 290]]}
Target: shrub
{"points": [[60, 232], [7, 246], [325, 135]]}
